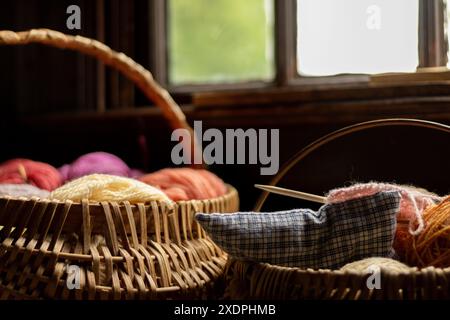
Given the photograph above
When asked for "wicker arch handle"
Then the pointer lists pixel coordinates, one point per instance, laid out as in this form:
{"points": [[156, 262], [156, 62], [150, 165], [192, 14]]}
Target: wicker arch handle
{"points": [[303, 153], [135, 72]]}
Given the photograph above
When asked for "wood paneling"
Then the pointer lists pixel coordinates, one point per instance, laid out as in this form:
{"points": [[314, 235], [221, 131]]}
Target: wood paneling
{"points": [[36, 73]]}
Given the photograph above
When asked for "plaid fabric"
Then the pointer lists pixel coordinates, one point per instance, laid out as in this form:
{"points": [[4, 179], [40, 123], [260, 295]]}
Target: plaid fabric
{"points": [[336, 234]]}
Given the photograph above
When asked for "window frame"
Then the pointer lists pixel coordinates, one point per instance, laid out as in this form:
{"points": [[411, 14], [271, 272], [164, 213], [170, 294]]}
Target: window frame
{"points": [[432, 50], [432, 40]]}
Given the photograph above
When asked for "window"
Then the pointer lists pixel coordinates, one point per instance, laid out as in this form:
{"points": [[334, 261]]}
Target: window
{"points": [[192, 46], [215, 44], [357, 36], [220, 41]]}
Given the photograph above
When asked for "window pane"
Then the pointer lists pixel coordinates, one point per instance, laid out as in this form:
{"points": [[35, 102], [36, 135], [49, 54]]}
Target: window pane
{"points": [[357, 36], [220, 41]]}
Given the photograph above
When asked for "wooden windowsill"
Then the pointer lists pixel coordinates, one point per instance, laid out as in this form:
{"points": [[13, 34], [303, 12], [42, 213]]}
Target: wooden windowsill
{"points": [[295, 94], [320, 103], [300, 89], [423, 75]]}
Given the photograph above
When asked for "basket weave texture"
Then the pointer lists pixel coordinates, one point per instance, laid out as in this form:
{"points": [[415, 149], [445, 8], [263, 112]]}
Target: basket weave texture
{"points": [[247, 280]]}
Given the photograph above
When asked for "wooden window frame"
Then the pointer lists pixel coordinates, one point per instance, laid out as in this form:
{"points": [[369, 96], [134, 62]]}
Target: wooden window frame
{"points": [[432, 50], [432, 41]]}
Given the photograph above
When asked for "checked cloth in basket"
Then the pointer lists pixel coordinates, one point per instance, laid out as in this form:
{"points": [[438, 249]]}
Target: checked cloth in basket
{"points": [[336, 234]]}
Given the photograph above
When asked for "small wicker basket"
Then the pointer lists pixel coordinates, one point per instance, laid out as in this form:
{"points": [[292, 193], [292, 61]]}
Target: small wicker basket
{"points": [[115, 250], [249, 280]]}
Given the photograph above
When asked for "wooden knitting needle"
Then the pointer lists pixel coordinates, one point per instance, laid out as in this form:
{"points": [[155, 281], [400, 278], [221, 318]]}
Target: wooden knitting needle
{"points": [[292, 193]]}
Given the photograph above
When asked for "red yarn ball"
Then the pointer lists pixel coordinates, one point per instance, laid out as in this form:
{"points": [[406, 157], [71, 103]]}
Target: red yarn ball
{"points": [[186, 183], [24, 171]]}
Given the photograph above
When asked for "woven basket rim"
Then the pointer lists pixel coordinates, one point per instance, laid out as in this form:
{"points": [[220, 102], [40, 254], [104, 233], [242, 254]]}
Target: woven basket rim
{"points": [[96, 204], [147, 251], [263, 281], [338, 272], [97, 210]]}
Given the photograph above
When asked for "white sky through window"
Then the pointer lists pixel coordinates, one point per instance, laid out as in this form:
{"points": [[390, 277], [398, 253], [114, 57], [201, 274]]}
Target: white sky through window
{"points": [[357, 36]]}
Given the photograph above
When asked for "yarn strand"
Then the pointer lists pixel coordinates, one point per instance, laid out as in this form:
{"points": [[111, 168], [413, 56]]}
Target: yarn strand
{"points": [[410, 194], [417, 213], [431, 247]]}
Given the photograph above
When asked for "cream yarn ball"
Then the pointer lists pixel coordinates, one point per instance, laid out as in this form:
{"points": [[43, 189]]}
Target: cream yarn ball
{"points": [[103, 187], [382, 263]]}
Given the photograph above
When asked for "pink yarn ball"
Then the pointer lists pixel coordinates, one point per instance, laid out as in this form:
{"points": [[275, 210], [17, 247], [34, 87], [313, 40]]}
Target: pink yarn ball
{"points": [[412, 204], [96, 162], [25, 171], [410, 197]]}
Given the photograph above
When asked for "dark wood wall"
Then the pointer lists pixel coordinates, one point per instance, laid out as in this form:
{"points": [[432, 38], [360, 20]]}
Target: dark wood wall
{"points": [[53, 110], [32, 75]]}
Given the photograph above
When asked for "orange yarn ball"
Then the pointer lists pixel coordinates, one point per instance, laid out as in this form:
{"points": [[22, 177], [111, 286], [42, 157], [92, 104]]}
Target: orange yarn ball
{"points": [[432, 246], [186, 183]]}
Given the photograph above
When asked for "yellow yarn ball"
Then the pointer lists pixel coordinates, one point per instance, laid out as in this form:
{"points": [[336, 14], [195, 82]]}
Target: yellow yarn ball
{"points": [[382, 263], [103, 187]]}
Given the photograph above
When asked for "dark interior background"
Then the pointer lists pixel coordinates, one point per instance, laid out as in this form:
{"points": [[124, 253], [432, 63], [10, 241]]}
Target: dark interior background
{"points": [[50, 111]]}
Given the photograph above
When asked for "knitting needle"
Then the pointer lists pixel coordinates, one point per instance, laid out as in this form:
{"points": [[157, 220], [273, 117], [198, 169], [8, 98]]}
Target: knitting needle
{"points": [[292, 193]]}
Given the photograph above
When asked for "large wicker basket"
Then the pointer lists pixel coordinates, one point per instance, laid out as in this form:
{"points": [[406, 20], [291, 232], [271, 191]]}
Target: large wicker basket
{"points": [[249, 280], [65, 250]]}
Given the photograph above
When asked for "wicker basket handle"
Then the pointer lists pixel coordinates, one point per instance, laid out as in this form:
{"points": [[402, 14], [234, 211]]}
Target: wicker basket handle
{"points": [[303, 153], [141, 77]]}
